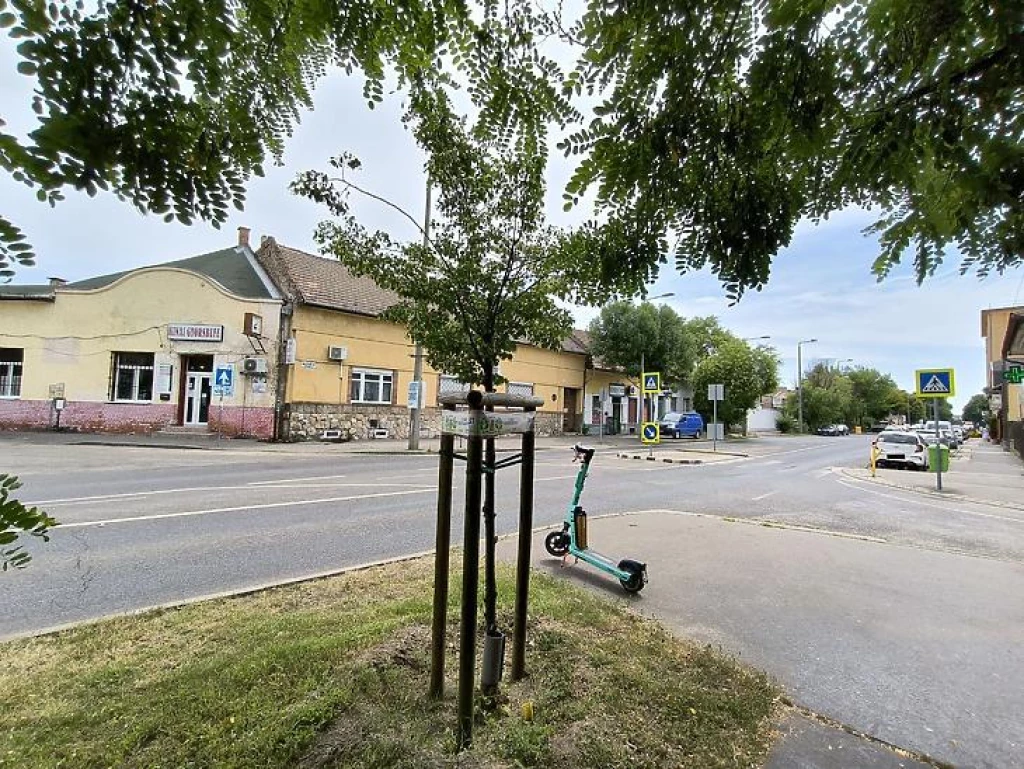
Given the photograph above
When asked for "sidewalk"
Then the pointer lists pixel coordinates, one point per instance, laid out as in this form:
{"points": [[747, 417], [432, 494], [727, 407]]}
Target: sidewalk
{"points": [[979, 472]]}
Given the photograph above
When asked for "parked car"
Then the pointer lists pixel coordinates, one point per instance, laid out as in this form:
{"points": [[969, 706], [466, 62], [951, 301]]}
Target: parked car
{"points": [[901, 448], [687, 424], [833, 430]]}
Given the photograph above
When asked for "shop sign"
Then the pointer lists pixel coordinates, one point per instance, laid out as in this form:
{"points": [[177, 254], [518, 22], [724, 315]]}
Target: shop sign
{"points": [[195, 332]]}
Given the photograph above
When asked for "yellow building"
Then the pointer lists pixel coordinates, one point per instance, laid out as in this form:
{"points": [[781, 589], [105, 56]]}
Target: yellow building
{"points": [[141, 350], [1003, 330], [349, 370]]}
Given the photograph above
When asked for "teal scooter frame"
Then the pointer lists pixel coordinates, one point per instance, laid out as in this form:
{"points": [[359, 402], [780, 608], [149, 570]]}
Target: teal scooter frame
{"points": [[572, 539]]}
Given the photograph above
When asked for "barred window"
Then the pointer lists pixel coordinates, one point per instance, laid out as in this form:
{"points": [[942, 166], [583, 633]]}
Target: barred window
{"points": [[133, 376], [519, 388], [371, 386], [451, 385], [11, 360]]}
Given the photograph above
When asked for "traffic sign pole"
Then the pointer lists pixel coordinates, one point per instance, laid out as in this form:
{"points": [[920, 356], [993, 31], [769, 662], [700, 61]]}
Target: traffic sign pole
{"points": [[938, 448]]}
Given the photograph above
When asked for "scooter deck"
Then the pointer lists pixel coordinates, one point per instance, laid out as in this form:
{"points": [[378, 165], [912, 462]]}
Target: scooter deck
{"points": [[596, 558]]}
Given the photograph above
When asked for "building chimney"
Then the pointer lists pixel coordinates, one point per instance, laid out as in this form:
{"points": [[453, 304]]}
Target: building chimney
{"points": [[57, 282], [243, 236]]}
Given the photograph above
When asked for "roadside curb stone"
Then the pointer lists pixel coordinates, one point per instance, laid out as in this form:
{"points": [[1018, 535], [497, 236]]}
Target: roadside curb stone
{"points": [[852, 473]]}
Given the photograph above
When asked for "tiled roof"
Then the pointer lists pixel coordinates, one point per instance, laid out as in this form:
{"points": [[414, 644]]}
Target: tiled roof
{"points": [[322, 282], [36, 292], [229, 267]]}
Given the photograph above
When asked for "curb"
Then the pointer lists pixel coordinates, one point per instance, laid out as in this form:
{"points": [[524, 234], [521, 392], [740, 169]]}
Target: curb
{"points": [[930, 492], [670, 460]]}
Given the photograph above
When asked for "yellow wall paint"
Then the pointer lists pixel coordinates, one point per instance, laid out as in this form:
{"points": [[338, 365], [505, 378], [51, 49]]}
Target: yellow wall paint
{"points": [[376, 344], [71, 340]]}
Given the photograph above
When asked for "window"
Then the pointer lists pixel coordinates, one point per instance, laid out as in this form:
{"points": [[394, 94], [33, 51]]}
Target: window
{"points": [[451, 385], [371, 386], [11, 360], [519, 388], [133, 376]]}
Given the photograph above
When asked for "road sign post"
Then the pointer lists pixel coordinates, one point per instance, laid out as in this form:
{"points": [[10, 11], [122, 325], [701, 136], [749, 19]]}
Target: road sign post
{"points": [[716, 392], [935, 384]]}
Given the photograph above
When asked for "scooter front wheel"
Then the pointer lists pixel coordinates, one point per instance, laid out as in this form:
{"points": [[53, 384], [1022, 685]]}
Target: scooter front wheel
{"points": [[557, 543], [634, 583]]}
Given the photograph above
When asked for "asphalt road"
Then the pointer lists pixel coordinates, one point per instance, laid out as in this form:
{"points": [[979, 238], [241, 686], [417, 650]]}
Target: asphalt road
{"points": [[894, 612]]}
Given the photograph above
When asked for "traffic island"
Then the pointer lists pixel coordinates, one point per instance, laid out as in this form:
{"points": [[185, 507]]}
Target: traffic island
{"points": [[681, 457], [335, 672]]}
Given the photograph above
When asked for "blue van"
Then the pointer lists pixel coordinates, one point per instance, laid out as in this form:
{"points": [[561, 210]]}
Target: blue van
{"points": [[682, 425]]}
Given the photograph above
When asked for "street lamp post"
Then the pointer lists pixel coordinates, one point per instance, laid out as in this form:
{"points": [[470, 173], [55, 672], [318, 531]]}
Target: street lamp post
{"points": [[800, 381], [640, 394], [756, 338]]}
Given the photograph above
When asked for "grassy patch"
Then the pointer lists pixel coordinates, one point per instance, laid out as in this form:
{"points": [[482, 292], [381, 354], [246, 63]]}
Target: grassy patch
{"points": [[334, 673]]}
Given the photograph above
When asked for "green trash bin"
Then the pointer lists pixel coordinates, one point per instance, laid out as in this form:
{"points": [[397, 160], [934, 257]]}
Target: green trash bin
{"points": [[938, 456]]}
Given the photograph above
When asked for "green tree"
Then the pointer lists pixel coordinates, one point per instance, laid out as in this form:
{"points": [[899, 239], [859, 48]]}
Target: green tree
{"points": [[173, 105], [721, 124], [17, 521], [708, 334], [874, 396], [746, 374], [624, 332], [827, 397], [976, 409]]}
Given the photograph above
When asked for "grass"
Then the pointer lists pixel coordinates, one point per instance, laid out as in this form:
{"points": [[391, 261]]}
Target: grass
{"points": [[334, 673]]}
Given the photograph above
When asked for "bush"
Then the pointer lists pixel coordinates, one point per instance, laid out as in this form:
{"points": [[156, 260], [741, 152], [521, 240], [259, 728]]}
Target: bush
{"points": [[784, 423]]}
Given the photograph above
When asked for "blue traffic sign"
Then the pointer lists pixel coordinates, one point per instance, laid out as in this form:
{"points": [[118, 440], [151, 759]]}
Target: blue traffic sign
{"points": [[224, 380], [650, 433], [935, 383]]}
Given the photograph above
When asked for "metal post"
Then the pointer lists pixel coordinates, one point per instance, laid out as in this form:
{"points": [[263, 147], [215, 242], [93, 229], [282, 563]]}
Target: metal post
{"points": [[417, 365], [523, 557], [640, 399], [442, 546], [470, 572], [799, 388], [938, 448], [714, 423]]}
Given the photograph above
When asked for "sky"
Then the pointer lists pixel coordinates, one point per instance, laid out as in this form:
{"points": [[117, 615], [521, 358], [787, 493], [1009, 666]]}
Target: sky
{"points": [[821, 286]]}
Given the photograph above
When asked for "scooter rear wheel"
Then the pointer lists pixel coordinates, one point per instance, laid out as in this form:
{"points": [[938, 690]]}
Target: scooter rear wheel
{"points": [[557, 543], [634, 583]]}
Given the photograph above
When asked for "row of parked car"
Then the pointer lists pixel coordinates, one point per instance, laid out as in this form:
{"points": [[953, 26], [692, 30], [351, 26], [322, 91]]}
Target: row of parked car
{"points": [[907, 447]]}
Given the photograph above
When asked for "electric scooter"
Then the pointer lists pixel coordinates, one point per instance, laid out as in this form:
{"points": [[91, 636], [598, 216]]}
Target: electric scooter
{"points": [[572, 539]]}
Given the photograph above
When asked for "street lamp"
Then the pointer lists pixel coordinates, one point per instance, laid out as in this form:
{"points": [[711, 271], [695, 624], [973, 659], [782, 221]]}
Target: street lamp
{"points": [[800, 381], [640, 394], [755, 338]]}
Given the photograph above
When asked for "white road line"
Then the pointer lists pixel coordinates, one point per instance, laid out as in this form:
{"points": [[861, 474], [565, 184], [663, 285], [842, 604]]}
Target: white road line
{"points": [[945, 507], [763, 496], [189, 513], [296, 480]]}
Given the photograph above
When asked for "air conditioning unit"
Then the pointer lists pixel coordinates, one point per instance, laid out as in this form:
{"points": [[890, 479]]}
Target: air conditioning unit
{"points": [[254, 366], [337, 353]]}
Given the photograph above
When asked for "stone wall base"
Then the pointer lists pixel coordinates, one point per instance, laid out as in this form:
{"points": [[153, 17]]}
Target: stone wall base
{"points": [[308, 421]]}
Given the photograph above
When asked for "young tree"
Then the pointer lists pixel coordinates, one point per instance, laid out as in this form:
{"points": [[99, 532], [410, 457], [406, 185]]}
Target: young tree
{"points": [[874, 396], [624, 333], [487, 275]]}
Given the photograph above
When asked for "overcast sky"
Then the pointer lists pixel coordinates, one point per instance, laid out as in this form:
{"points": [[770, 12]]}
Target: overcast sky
{"points": [[821, 286]]}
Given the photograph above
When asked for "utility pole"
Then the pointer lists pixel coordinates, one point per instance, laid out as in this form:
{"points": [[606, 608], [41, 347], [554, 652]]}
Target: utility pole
{"points": [[417, 366], [800, 383]]}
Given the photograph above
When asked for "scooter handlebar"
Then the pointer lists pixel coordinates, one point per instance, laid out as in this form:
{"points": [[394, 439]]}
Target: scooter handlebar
{"points": [[580, 451]]}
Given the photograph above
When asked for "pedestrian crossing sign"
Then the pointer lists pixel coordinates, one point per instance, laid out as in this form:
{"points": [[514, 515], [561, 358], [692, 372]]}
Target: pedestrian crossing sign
{"points": [[652, 382], [935, 383]]}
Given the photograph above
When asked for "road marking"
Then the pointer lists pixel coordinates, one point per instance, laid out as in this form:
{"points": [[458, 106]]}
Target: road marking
{"points": [[763, 496], [296, 480], [266, 506], [944, 508]]}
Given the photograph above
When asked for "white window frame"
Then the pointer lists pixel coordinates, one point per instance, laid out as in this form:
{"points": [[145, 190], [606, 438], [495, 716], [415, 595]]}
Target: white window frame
{"points": [[137, 375], [11, 372], [357, 387], [524, 389]]}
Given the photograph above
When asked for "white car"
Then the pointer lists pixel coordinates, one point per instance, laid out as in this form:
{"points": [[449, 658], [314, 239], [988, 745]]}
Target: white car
{"points": [[901, 449]]}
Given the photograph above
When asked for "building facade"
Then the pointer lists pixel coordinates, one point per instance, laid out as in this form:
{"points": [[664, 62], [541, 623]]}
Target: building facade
{"points": [[141, 350], [1004, 348], [346, 369]]}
